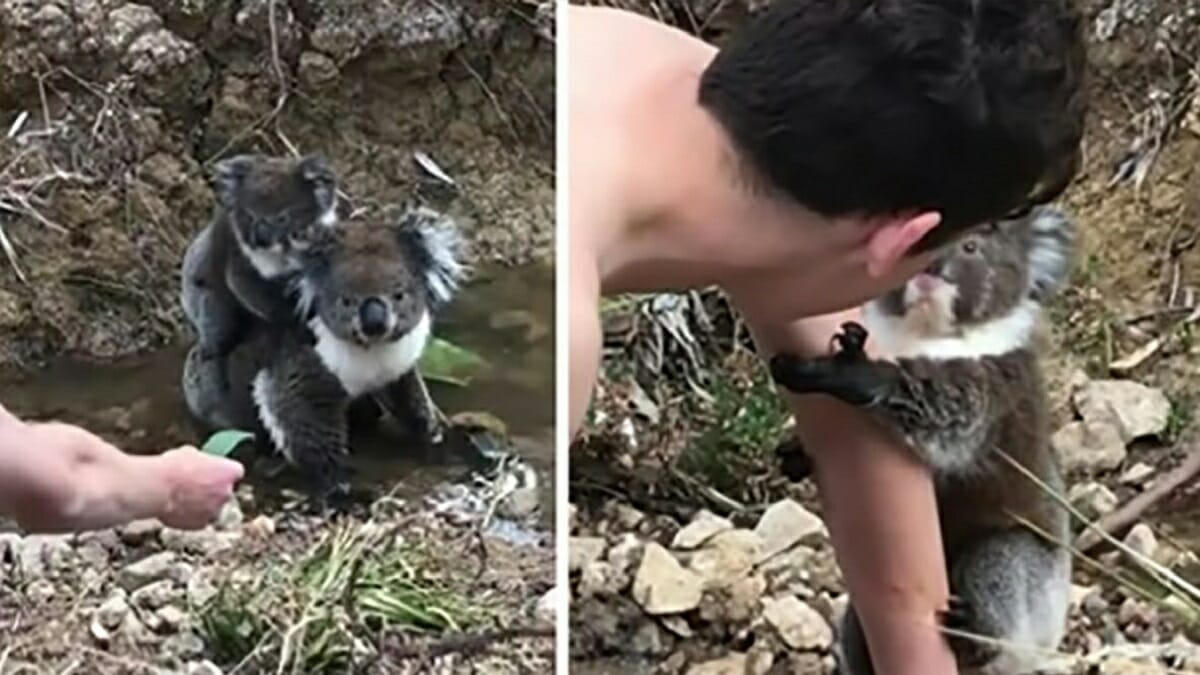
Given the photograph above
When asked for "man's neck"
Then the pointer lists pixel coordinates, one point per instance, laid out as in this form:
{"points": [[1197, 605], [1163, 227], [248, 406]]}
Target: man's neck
{"points": [[695, 223]]}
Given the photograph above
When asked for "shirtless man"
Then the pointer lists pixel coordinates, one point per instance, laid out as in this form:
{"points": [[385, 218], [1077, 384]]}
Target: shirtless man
{"points": [[821, 157], [57, 477]]}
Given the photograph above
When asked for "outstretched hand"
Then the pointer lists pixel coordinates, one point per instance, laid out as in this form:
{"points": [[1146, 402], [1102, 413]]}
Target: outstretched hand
{"points": [[198, 485]]}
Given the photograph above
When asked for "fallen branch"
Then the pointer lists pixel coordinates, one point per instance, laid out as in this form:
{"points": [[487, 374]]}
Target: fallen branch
{"points": [[471, 643], [1132, 510]]}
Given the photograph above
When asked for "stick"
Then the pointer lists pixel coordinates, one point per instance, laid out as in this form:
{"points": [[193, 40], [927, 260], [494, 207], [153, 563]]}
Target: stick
{"points": [[1134, 508], [466, 643]]}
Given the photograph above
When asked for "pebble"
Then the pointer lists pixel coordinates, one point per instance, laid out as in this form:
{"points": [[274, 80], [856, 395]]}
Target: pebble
{"points": [[1138, 410], [662, 585], [139, 531], [547, 606], [155, 594], [1089, 447], [1137, 474], [1092, 499], [230, 516], [583, 551], [799, 626], [148, 569], [726, 557], [785, 524], [200, 589], [704, 526], [733, 664], [203, 668], [261, 527], [170, 618], [1141, 539], [112, 612]]}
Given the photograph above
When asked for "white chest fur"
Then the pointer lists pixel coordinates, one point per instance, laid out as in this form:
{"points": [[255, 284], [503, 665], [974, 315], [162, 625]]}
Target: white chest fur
{"points": [[365, 369], [894, 337]]}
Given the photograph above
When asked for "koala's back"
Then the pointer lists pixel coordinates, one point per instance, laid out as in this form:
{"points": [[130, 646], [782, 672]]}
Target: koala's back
{"points": [[997, 496]]}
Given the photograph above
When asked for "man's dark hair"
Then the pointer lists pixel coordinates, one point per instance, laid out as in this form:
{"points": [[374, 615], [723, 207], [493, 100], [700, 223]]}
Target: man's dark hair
{"points": [[974, 108]]}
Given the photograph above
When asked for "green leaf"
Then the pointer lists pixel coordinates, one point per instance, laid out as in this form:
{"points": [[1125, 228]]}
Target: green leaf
{"points": [[224, 442], [449, 363]]}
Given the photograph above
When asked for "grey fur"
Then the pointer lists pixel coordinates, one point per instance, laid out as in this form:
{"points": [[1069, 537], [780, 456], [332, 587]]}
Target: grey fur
{"points": [[965, 417]]}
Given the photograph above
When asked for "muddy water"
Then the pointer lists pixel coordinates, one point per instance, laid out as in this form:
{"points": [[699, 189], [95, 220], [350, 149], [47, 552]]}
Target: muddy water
{"points": [[504, 315]]}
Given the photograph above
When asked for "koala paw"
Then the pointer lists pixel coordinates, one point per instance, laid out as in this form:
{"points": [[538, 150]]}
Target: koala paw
{"points": [[850, 344], [970, 652]]}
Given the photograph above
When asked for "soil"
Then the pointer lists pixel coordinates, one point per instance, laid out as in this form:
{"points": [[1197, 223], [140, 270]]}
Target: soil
{"points": [[1137, 200], [115, 113]]}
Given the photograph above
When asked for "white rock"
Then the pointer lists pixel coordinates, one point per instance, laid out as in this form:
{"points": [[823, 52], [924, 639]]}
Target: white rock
{"points": [[662, 585], [230, 516], [200, 589], [38, 554], [799, 626], [139, 531], [260, 527], [1092, 499], [583, 551], [786, 524], [201, 542], [733, 664], [1089, 447], [1137, 474], [148, 569], [547, 606], [601, 578], [203, 668], [170, 618], [1142, 540], [1138, 410], [726, 557], [626, 553], [677, 625], [155, 594], [703, 527], [112, 612]]}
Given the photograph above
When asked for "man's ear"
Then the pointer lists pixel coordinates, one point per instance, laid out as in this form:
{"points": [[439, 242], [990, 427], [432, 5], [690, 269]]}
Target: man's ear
{"points": [[894, 237]]}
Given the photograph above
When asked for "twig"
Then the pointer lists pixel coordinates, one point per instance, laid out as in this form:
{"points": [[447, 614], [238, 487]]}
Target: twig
{"points": [[471, 643], [1143, 353], [1134, 508]]}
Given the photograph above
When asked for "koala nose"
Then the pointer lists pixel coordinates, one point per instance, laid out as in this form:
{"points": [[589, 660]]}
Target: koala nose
{"points": [[373, 317]]}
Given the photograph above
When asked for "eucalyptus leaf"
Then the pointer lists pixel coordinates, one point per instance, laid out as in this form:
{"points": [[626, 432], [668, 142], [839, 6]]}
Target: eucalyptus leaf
{"points": [[446, 362], [224, 442]]}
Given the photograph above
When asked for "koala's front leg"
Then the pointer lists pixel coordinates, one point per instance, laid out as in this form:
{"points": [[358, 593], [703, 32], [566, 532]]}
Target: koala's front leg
{"points": [[846, 374], [408, 400], [304, 410]]}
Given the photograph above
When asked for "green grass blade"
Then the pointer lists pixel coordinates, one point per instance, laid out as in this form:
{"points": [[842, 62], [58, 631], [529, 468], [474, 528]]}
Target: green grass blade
{"points": [[224, 442], [446, 362]]}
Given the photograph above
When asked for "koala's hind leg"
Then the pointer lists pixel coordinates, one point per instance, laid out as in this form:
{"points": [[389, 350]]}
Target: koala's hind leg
{"points": [[205, 389], [855, 657], [408, 400], [303, 409], [1013, 588]]}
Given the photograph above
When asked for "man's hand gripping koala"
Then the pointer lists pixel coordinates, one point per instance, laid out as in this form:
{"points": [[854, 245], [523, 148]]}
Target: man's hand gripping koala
{"points": [[958, 379]]}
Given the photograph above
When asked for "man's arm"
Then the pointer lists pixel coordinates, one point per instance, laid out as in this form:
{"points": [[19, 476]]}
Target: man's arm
{"points": [[881, 512], [56, 477]]}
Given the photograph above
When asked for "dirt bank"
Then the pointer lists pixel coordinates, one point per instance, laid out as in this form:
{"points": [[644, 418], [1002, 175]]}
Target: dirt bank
{"points": [[112, 112]]}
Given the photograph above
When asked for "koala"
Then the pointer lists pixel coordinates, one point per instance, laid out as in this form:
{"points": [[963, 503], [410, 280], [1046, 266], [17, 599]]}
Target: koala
{"points": [[365, 299], [235, 270], [956, 375]]}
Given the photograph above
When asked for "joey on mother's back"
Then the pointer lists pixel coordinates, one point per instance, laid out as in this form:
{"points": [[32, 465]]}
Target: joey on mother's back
{"points": [[367, 295], [235, 271], [954, 372]]}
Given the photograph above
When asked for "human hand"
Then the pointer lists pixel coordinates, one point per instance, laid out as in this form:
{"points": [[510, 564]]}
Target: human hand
{"points": [[197, 485]]}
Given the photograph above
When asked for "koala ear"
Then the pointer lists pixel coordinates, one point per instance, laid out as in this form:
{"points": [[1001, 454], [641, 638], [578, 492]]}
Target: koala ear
{"points": [[316, 171], [433, 242], [228, 176], [1051, 251]]}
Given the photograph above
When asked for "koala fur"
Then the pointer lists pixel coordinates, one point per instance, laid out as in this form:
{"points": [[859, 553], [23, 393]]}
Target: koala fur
{"points": [[235, 270], [957, 375], [367, 292]]}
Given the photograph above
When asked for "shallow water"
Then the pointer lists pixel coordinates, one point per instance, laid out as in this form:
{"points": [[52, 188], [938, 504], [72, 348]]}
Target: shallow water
{"points": [[504, 315]]}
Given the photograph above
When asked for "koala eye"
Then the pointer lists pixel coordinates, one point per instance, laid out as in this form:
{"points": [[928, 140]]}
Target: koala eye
{"points": [[345, 303], [970, 247], [399, 296]]}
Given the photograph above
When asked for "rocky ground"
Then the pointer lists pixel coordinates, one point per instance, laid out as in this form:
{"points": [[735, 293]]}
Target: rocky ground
{"points": [[112, 114], [691, 553]]}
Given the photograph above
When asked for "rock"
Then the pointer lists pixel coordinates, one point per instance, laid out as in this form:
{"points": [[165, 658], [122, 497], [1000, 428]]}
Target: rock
{"points": [[93, 554], [170, 618], [203, 542], [1137, 474], [726, 557], [184, 645], [547, 606], [1138, 410], [1142, 540], [317, 70], [112, 612], [38, 554], [230, 516], [677, 625], [808, 664], [799, 626], [786, 524], [650, 640], [200, 589], [99, 633], [262, 527], [627, 517], [626, 553], [601, 578], [41, 591], [702, 528], [583, 551], [133, 631], [734, 664], [139, 531], [787, 568], [1089, 447], [1092, 499], [180, 572], [155, 594], [741, 598], [148, 569], [759, 661], [662, 585], [203, 668], [1093, 604]]}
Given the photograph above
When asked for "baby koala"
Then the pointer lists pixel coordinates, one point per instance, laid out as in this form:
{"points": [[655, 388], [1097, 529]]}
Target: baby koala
{"points": [[234, 271], [367, 293], [957, 376]]}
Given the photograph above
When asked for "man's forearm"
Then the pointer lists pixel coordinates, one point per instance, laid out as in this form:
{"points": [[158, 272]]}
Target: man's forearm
{"points": [[882, 516]]}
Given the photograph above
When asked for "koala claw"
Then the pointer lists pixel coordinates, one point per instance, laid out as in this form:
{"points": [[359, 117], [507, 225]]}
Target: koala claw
{"points": [[851, 342], [959, 616]]}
